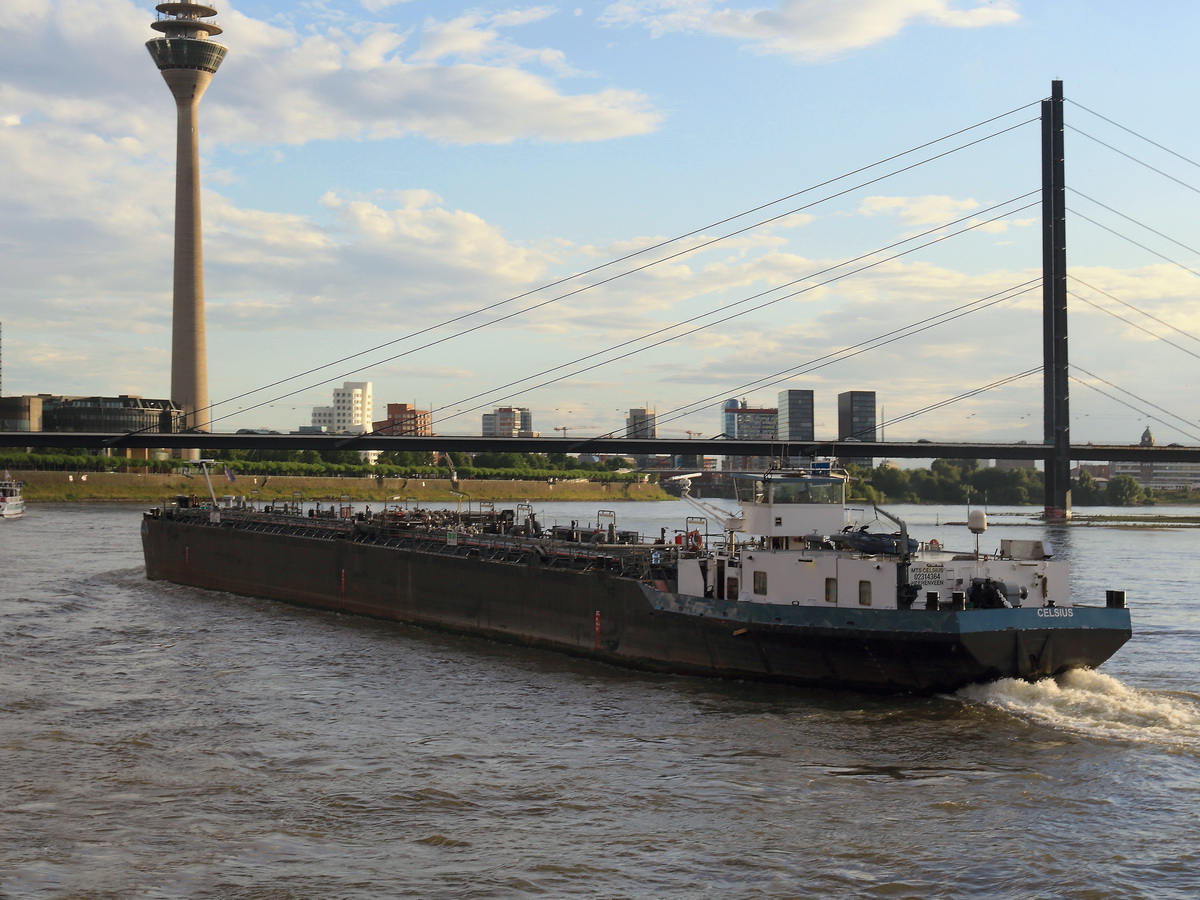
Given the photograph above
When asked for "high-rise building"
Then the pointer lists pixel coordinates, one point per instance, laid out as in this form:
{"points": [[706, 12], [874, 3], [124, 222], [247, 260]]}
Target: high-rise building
{"points": [[351, 411], [796, 419], [797, 422], [188, 59], [749, 423], [729, 420], [856, 422], [641, 423], [508, 421], [405, 419]]}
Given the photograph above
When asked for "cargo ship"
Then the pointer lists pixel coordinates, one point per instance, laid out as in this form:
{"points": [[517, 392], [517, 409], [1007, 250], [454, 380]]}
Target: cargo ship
{"points": [[790, 588]]}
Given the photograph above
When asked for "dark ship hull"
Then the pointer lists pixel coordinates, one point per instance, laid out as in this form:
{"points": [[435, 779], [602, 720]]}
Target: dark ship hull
{"points": [[611, 604]]}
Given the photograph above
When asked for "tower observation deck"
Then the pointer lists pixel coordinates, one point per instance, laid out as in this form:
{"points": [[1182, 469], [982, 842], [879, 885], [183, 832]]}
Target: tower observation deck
{"points": [[188, 59]]}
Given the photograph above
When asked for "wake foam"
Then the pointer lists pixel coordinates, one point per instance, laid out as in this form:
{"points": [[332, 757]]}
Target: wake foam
{"points": [[1096, 705]]}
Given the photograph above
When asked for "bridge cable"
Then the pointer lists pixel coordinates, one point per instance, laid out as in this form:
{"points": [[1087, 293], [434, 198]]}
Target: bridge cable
{"points": [[1135, 243], [862, 347], [571, 293], [845, 353], [1140, 412], [1132, 158], [1134, 325], [743, 312], [1162, 322], [966, 395], [1134, 221], [1135, 134], [1150, 403], [636, 253]]}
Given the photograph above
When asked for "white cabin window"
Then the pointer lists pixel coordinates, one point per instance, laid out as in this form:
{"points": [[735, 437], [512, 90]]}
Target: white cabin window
{"points": [[831, 590], [760, 583], [864, 593]]}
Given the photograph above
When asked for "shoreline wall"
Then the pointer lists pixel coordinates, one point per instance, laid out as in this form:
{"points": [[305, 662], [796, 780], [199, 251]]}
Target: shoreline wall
{"points": [[122, 486]]}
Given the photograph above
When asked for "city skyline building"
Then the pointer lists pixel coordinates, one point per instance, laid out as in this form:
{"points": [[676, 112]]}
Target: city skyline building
{"points": [[1159, 476], [92, 415], [796, 421], [405, 419], [641, 423], [187, 59], [351, 411], [796, 417], [856, 422], [508, 421], [742, 421]]}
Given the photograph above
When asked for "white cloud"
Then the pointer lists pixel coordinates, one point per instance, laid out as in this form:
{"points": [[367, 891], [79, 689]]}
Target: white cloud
{"points": [[380, 5], [457, 81], [462, 81], [810, 30], [927, 210]]}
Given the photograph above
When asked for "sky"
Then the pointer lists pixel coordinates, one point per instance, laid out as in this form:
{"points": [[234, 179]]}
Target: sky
{"points": [[582, 208]]}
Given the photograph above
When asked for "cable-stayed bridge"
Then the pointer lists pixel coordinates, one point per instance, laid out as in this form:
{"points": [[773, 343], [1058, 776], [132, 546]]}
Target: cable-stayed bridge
{"points": [[1055, 448], [604, 445]]}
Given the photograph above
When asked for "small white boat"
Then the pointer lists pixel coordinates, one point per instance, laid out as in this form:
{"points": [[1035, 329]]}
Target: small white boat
{"points": [[11, 502]]}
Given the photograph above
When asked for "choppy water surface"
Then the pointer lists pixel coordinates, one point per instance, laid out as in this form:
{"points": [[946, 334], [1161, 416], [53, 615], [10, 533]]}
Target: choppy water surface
{"points": [[164, 742]]}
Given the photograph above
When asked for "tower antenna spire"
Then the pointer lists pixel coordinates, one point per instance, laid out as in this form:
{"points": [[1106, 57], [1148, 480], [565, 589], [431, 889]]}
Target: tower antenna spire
{"points": [[188, 59]]}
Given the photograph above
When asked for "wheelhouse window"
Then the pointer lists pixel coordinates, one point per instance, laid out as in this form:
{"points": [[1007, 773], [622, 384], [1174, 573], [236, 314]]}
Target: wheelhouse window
{"points": [[864, 593], [809, 489]]}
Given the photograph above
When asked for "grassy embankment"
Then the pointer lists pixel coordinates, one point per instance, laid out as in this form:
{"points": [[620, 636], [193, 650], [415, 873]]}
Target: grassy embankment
{"points": [[113, 486]]}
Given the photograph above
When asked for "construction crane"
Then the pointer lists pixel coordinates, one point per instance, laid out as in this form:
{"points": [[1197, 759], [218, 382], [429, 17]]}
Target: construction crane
{"points": [[692, 434], [562, 428]]}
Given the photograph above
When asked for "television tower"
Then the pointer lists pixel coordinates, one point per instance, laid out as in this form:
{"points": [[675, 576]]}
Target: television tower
{"points": [[188, 60]]}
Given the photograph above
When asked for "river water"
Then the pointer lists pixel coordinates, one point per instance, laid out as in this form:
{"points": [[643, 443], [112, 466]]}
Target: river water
{"points": [[165, 742]]}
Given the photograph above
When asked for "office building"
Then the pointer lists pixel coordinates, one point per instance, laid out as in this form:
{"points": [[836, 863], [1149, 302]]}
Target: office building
{"points": [[856, 422], [508, 421], [109, 415], [351, 411], [405, 419], [749, 423], [797, 423], [641, 423]]}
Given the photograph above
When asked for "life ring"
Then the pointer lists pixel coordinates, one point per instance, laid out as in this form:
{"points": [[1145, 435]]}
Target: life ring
{"points": [[935, 545], [694, 540]]}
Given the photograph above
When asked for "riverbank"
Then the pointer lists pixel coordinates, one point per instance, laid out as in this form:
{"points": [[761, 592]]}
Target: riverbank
{"points": [[121, 486]]}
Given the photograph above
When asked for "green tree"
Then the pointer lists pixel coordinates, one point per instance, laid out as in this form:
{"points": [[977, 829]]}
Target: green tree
{"points": [[492, 460], [1123, 490], [341, 457], [891, 482], [1085, 491]]}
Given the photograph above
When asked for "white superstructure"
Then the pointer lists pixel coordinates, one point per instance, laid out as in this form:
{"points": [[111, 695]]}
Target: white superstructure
{"points": [[11, 502], [808, 549]]}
